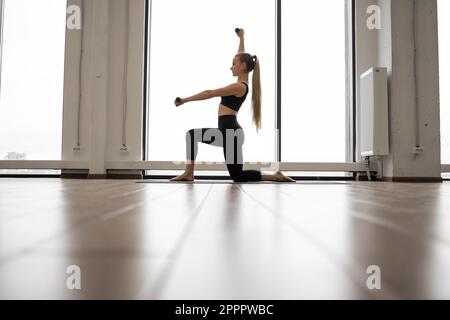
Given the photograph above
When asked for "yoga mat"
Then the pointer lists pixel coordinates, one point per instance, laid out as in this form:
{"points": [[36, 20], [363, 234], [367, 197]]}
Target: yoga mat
{"points": [[231, 182]]}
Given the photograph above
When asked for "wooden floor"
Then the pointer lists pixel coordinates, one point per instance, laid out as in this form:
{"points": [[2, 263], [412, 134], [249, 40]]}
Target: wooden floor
{"points": [[222, 240]]}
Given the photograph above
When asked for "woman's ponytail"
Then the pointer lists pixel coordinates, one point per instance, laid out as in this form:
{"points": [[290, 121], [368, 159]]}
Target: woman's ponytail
{"points": [[256, 94], [252, 63]]}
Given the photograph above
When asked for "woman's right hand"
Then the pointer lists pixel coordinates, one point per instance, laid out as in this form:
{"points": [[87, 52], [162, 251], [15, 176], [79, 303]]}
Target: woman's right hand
{"points": [[178, 102]]}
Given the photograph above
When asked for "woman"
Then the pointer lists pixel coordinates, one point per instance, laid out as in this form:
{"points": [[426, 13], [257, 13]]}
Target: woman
{"points": [[229, 133]]}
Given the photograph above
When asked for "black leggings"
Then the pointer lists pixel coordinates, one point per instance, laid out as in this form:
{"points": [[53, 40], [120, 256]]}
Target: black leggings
{"points": [[228, 135]]}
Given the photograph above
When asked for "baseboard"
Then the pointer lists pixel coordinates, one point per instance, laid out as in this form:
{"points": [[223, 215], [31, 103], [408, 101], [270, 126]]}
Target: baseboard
{"points": [[363, 177], [74, 174], [125, 174], [414, 179], [111, 174], [97, 176]]}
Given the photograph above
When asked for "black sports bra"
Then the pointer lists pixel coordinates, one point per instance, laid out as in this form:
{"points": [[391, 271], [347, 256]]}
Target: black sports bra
{"points": [[234, 102]]}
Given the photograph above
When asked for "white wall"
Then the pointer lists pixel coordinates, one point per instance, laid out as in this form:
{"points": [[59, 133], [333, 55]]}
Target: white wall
{"points": [[104, 28], [366, 54], [134, 114], [402, 97], [393, 47]]}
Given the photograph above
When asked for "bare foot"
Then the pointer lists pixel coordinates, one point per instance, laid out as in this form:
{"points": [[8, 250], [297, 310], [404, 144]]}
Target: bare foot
{"points": [[279, 176], [184, 177]]}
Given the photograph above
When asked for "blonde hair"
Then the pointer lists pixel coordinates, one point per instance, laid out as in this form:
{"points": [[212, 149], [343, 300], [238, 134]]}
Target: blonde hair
{"points": [[252, 63]]}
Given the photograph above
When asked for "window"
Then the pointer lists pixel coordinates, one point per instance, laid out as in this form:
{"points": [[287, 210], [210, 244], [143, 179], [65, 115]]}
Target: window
{"points": [[313, 81], [32, 74], [191, 48], [444, 77]]}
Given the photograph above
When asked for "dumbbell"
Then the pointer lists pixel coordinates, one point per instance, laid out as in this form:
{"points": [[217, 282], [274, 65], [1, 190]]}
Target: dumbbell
{"points": [[178, 100], [237, 30]]}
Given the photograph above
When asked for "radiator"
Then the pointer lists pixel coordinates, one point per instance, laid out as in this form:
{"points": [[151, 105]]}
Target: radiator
{"points": [[374, 117]]}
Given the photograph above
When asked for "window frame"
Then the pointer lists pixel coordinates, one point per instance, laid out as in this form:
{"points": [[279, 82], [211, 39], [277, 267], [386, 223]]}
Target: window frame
{"points": [[350, 166]]}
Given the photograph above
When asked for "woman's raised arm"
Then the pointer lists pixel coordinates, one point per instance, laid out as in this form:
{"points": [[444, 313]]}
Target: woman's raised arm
{"points": [[240, 33]]}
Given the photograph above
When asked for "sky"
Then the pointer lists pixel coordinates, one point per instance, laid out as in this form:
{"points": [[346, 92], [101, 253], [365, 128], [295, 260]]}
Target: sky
{"points": [[193, 52]]}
